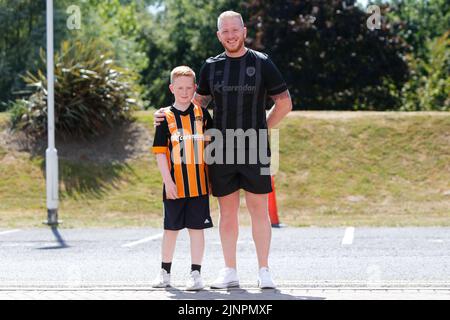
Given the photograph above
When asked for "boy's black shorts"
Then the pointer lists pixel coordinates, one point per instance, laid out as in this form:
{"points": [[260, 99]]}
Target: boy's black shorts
{"points": [[191, 213], [227, 178]]}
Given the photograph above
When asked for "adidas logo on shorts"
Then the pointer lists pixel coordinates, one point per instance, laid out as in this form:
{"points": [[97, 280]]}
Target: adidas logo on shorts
{"points": [[207, 221]]}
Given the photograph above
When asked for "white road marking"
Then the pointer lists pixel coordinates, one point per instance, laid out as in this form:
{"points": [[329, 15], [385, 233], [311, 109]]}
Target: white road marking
{"points": [[148, 239], [348, 236], [9, 231], [18, 244]]}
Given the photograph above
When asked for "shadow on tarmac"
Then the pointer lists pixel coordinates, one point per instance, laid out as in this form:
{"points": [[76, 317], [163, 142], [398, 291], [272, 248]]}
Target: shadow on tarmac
{"points": [[61, 243], [234, 294]]}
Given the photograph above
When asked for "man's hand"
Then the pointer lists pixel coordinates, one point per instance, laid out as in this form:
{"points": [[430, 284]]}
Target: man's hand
{"points": [[201, 100], [282, 106], [159, 116], [171, 189]]}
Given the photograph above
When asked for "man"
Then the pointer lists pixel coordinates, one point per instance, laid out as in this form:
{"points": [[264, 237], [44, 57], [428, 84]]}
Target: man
{"points": [[237, 81]]}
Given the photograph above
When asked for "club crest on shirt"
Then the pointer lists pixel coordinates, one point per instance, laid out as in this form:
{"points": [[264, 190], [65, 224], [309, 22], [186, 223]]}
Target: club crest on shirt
{"points": [[251, 71]]}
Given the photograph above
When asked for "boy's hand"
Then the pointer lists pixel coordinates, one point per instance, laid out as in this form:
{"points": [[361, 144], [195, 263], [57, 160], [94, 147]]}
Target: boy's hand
{"points": [[210, 187], [171, 190], [158, 116]]}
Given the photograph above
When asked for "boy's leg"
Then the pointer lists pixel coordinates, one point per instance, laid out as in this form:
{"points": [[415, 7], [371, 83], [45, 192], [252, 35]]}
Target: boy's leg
{"points": [[162, 280], [197, 245], [197, 218], [173, 222], [168, 245], [195, 281]]}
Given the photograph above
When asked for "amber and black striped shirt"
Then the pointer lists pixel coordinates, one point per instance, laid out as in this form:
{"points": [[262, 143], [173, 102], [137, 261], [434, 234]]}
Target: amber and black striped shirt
{"points": [[181, 137]]}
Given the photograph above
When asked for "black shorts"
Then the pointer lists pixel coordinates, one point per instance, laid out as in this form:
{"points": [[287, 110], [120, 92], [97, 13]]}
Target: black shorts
{"points": [[227, 178], [191, 213]]}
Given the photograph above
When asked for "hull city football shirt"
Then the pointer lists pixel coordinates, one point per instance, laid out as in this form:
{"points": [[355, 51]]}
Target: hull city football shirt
{"points": [[239, 88], [181, 137]]}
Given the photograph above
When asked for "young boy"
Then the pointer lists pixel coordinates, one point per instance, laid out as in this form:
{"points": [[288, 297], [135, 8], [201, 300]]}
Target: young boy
{"points": [[179, 144]]}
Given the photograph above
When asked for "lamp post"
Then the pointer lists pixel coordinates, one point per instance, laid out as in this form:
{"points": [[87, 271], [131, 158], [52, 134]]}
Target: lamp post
{"points": [[51, 154]]}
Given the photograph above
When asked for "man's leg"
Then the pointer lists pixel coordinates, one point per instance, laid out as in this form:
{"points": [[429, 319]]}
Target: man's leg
{"points": [[261, 228], [229, 227]]}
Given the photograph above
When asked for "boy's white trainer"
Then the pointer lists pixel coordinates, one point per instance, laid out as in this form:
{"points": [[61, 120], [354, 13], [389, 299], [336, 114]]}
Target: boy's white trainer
{"points": [[265, 280], [227, 279], [194, 282], [162, 280]]}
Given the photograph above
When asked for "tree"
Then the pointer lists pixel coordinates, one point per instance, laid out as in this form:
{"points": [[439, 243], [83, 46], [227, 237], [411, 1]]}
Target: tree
{"points": [[417, 21], [424, 25], [429, 85], [23, 28], [183, 33], [22, 25], [329, 57]]}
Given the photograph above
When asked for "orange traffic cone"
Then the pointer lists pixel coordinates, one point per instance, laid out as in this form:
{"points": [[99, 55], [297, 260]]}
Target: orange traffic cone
{"points": [[273, 211]]}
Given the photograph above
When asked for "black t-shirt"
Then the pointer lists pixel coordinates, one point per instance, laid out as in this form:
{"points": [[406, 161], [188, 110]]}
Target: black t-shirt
{"points": [[239, 87]]}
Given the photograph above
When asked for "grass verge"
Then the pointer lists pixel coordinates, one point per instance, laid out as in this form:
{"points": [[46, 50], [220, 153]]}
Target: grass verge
{"points": [[382, 170]]}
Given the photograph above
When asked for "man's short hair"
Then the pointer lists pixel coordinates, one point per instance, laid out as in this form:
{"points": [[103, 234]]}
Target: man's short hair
{"points": [[228, 14], [181, 71]]}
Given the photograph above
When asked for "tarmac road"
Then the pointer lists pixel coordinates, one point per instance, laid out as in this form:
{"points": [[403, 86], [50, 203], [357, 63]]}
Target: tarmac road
{"points": [[322, 263]]}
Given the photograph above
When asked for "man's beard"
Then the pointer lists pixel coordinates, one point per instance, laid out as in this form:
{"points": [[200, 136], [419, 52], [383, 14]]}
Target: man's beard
{"points": [[238, 47]]}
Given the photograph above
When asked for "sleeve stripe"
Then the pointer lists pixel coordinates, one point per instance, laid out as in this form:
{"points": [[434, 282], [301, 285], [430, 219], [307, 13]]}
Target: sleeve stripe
{"points": [[277, 87], [159, 149]]}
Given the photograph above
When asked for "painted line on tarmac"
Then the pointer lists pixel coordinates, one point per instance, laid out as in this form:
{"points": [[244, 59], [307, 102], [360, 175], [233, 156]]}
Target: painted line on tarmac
{"points": [[148, 239], [9, 232], [436, 240], [348, 236]]}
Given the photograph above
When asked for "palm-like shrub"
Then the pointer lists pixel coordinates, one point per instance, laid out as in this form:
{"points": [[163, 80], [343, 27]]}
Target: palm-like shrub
{"points": [[92, 93]]}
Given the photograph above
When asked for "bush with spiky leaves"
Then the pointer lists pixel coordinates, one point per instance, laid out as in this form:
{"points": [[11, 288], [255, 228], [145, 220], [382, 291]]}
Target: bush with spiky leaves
{"points": [[92, 93]]}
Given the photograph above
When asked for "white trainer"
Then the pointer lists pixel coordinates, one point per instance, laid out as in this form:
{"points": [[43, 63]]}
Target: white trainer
{"points": [[227, 279], [194, 282], [162, 280], [265, 279]]}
